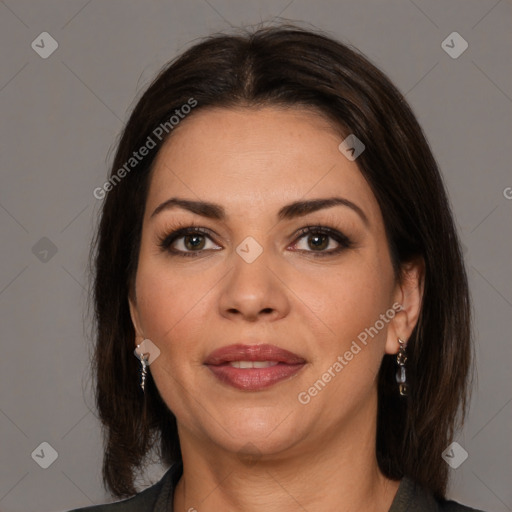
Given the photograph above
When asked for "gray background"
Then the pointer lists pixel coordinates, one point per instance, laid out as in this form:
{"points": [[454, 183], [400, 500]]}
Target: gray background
{"points": [[62, 115]]}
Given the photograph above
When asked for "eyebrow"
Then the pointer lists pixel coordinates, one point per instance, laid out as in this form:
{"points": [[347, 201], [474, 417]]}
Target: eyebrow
{"points": [[290, 211]]}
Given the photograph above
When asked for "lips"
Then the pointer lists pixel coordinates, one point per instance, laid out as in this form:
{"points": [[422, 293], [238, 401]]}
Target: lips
{"points": [[253, 367], [252, 353]]}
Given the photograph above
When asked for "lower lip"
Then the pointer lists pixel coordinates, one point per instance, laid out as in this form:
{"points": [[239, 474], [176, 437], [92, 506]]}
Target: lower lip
{"points": [[254, 379]]}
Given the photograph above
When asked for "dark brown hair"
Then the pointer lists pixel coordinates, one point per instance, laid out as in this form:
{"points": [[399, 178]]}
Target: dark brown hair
{"points": [[292, 67]]}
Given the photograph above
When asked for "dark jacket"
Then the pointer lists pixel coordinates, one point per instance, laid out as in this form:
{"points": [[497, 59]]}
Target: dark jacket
{"points": [[158, 498]]}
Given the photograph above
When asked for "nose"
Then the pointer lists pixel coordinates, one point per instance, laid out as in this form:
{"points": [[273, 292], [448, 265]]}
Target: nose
{"points": [[254, 291]]}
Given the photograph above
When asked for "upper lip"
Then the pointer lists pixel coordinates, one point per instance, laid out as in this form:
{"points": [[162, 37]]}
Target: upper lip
{"points": [[241, 352]]}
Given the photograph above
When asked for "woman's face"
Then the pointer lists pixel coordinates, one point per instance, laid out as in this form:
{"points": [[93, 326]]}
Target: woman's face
{"points": [[250, 277]]}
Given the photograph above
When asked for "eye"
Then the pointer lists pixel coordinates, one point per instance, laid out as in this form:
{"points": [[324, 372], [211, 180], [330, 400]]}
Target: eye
{"points": [[189, 241], [193, 240], [317, 239]]}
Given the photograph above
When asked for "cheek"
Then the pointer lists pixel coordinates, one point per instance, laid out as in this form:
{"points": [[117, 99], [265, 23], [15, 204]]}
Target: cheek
{"points": [[173, 307], [351, 302], [173, 310], [348, 298]]}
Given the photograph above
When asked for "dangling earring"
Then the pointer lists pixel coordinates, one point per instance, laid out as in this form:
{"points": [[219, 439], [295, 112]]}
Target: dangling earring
{"points": [[401, 359], [146, 352], [144, 358]]}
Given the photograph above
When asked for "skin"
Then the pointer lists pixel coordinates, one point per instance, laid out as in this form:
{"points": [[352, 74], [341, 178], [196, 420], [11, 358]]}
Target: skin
{"points": [[264, 450]]}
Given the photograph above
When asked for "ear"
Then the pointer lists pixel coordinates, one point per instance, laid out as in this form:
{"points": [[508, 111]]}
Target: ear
{"points": [[134, 313], [409, 295]]}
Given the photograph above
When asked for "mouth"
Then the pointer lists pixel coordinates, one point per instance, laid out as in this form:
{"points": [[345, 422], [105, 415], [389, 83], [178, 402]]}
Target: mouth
{"points": [[252, 364], [253, 367]]}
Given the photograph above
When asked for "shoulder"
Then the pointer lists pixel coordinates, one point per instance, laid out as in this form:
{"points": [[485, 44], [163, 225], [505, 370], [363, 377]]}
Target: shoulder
{"points": [[413, 497], [144, 501], [453, 506]]}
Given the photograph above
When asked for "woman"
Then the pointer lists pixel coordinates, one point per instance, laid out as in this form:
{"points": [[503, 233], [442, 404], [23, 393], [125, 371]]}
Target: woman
{"points": [[277, 249]]}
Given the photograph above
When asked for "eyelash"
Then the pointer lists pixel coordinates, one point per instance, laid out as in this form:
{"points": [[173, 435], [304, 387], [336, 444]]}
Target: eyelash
{"points": [[165, 241]]}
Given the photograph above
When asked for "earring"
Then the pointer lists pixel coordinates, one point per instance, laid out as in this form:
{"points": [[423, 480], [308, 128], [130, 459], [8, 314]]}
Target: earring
{"points": [[401, 359], [144, 358]]}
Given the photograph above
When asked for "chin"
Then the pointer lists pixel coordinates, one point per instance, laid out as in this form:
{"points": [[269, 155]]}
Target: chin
{"points": [[258, 437]]}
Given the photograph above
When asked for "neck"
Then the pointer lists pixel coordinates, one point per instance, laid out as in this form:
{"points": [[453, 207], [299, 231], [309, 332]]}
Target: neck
{"points": [[338, 473]]}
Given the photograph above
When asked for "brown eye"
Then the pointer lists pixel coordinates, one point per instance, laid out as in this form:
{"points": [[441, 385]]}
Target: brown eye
{"points": [[321, 241], [189, 241], [318, 242], [194, 242]]}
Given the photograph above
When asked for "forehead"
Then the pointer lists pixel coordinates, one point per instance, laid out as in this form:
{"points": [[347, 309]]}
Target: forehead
{"points": [[258, 158]]}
